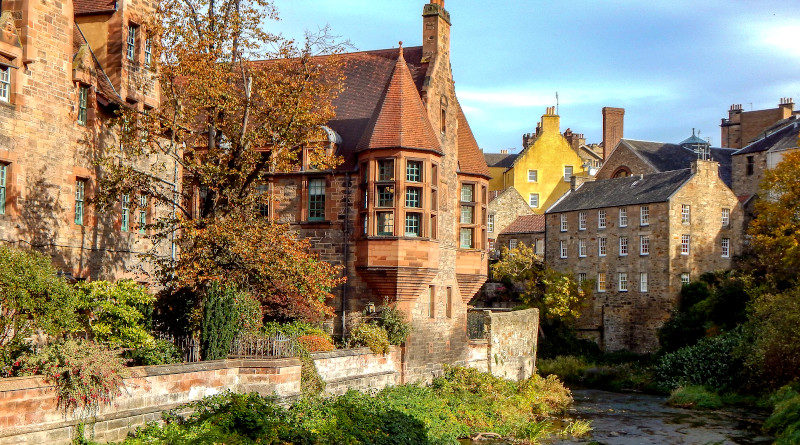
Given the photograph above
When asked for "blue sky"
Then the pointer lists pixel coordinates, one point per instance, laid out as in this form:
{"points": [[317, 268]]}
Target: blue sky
{"points": [[673, 65]]}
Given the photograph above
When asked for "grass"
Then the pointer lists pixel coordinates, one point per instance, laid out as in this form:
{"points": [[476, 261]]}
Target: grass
{"points": [[614, 372], [697, 397]]}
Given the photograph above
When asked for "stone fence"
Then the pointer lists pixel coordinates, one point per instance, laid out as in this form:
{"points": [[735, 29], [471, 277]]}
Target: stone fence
{"points": [[507, 343], [358, 369]]}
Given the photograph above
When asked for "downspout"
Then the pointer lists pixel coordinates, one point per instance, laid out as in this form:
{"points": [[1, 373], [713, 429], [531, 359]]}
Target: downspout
{"points": [[346, 250]]}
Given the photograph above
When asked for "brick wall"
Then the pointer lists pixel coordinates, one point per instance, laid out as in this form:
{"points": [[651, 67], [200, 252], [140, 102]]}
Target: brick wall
{"points": [[623, 158], [613, 123], [358, 369]]}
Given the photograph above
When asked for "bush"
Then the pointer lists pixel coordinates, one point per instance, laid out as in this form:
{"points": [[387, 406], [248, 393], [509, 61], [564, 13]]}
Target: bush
{"points": [[713, 362], [372, 336], [784, 422], [559, 339], [776, 350], [615, 371], [393, 321], [294, 329], [694, 397], [220, 322], [566, 367], [116, 314], [316, 343], [85, 374], [162, 352]]}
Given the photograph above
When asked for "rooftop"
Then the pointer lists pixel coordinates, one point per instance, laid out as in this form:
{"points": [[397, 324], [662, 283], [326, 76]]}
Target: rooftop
{"points": [[667, 157], [778, 137], [525, 224]]}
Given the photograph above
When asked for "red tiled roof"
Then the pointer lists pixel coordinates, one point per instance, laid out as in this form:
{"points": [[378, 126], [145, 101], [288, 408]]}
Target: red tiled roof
{"points": [[401, 120], [525, 224], [94, 6], [470, 157]]}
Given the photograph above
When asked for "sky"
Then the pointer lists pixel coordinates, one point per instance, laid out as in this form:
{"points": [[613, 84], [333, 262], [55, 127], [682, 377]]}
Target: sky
{"points": [[673, 65]]}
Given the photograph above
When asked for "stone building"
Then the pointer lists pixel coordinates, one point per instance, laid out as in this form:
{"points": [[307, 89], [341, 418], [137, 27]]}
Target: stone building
{"points": [[406, 211], [504, 208], [640, 238], [590, 154], [65, 67], [741, 127], [526, 229]]}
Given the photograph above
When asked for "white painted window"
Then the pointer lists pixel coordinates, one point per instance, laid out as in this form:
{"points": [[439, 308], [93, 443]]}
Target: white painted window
{"points": [[601, 246], [563, 222], [685, 240], [601, 282], [726, 247], [686, 215], [80, 194], [582, 248], [567, 173], [581, 278], [644, 215], [142, 213], [490, 222], [148, 51], [623, 217], [644, 245], [533, 200], [3, 178], [131, 42], [726, 217], [5, 84], [513, 243], [623, 246], [582, 221], [623, 282], [685, 278], [83, 104], [563, 248], [601, 219], [126, 204], [643, 282], [533, 175]]}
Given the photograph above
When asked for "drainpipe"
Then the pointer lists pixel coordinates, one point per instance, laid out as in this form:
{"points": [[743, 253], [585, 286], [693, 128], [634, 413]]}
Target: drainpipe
{"points": [[346, 250]]}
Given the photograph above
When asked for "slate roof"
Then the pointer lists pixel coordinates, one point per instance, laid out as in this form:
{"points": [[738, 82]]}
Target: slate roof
{"points": [[779, 139], [667, 157], [525, 224], [503, 160], [630, 190], [84, 7]]}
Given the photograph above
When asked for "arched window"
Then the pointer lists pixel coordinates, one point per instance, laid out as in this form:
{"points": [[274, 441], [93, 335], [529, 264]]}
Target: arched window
{"points": [[621, 172]]}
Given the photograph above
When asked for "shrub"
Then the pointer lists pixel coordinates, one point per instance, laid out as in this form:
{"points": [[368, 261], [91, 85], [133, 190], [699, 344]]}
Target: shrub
{"points": [[372, 336], [85, 374], [713, 362], [34, 298], [316, 343], [393, 321], [784, 422], [162, 352], [566, 367], [293, 329], [694, 397], [116, 314], [220, 322], [776, 349]]}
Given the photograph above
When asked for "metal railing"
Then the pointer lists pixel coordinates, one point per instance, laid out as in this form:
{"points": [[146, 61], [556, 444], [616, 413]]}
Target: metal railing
{"points": [[279, 346]]}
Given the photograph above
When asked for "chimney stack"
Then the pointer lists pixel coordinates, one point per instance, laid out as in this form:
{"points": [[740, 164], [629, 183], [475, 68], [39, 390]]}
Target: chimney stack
{"points": [[504, 152], [435, 31], [613, 120]]}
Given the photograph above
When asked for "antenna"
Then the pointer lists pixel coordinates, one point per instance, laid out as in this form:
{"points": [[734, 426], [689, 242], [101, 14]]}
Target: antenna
{"points": [[556, 102]]}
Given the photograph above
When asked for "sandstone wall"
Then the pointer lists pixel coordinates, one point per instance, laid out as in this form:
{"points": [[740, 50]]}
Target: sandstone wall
{"points": [[358, 369], [512, 342]]}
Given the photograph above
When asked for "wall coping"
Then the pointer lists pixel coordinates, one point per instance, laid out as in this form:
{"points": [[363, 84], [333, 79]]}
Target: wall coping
{"points": [[349, 353]]}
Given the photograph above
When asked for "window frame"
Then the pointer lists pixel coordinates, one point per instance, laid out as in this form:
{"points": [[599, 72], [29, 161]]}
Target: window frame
{"points": [[490, 222], [582, 248], [725, 244], [142, 213], [622, 281], [125, 214], [130, 42], [410, 200], [602, 246], [418, 232], [563, 249], [601, 282], [602, 219], [390, 223], [686, 244], [564, 226], [623, 246], [420, 169], [726, 217], [3, 186], [686, 278], [80, 200], [644, 216], [535, 175], [623, 217], [83, 104], [316, 201], [5, 84], [568, 178], [530, 200], [644, 282], [582, 220], [644, 245], [461, 233], [686, 214]]}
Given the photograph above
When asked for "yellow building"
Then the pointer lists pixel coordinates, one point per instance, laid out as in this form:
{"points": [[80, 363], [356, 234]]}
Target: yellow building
{"points": [[541, 172]]}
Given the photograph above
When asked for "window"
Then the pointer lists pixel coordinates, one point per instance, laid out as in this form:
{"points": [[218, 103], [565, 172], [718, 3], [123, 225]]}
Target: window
{"points": [[601, 282], [5, 84], [431, 301], [539, 246], [581, 278], [83, 101], [490, 222], [126, 207], [601, 246], [623, 217], [643, 282], [131, 51], [623, 245], [685, 239], [263, 201], [366, 224], [413, 224], [414, 197], [513, 243], [726, 247], [466, 214], [644, 245], [414, 171], [466, 238], [686, 216], [467, 193], [443, 120], [385, 196], [726, 217], [385, 223], [644, 215], [148, 51], [601, 219], [562, 245], [80, 195], [533, 200], [567, 173], [142, 213], [3, 178], [533, 175], [623, 282], [386, 170], [582, 221], [751, 165], [563, 222], [449, 308], [685, 278], [582, 248], [316, 200]]}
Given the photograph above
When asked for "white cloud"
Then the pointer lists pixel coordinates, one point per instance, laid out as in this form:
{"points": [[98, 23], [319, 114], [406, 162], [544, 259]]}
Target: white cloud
{"points": [[777, 37]]}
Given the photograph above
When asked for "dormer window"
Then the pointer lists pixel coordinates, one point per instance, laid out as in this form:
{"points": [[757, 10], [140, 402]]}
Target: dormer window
{"points": [[131, 47], [5, 84]]}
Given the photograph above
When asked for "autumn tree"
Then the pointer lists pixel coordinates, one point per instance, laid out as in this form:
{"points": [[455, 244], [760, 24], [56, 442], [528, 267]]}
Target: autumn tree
{"points": [[237, 104]]}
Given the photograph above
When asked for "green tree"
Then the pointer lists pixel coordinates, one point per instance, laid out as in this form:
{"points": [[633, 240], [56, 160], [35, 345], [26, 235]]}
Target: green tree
{"points": [[220, 322], [116, 314]]}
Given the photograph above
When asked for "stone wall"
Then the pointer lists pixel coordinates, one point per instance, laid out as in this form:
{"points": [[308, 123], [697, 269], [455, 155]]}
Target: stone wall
{"points": [[506, 208], [28, 411], [512, 343], [358, 369], [623, 158]]}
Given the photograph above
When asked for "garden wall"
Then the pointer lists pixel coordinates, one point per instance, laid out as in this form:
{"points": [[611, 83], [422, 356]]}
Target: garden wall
{"points": [[28, 411], [508, 346], [358, 369]]}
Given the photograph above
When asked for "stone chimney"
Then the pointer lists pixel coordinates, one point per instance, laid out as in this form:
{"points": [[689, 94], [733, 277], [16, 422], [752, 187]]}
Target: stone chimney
{"points": [[551, 121], [705, 169], [787, 106], [577, 181], [613, 120], [435, 30]]}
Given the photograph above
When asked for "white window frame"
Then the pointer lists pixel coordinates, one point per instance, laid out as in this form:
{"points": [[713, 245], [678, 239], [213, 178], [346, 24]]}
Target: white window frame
{"points": [[5, 84], [130, 48], [601, 281], [622, 282], [726, 217], [726, 247], [623, 217], [644, 216], [582, 248], [644, 244], [125, 214], [564, 226], [686, 214], [3, 190], [533, 200], [533, 175], [602, 219], [490, 223], [686, 244], [643, 282], [148, 51], [581, 220], [581, 278], [142, 213], [568, 177], [562, 247], [513, 243], [602, 246], [623, 246], [686, 278]]}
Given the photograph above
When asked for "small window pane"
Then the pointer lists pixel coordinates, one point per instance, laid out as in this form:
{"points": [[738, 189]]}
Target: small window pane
{"points": [[467, 193], [466, 214], [126, 204], [490, 223], [385, 223], [386, 170], [385, 196], [601, 219], [5, 84], [623, 217], [83, 100], [414, 171], [466, 238], [80, 193], [533, 200], [567, 173], [414, 197], [533, 175]]}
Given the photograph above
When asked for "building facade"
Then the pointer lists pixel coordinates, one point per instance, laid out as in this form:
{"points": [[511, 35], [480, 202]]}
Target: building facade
{"points": [[406, 211], [640, 238], [528, 230], [65, 68], [504, 208], [741, 127]]}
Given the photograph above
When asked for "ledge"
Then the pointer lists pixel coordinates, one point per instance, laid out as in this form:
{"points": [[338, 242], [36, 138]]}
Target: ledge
{"points": [[360, 377], [348, 353]]}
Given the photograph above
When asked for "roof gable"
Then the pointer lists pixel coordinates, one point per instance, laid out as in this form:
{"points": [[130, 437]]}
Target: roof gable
{"points": [[667, 157]]}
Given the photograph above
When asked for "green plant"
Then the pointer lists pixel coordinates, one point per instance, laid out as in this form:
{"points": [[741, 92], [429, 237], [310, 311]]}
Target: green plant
{"points": [[162, 352], [784, 422], [394, 322], [116, 314], [220, 322], [775, 355], [372, 336], [34, 298], [694, 396], [713, 362], [84, 373], [568, 368]]}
